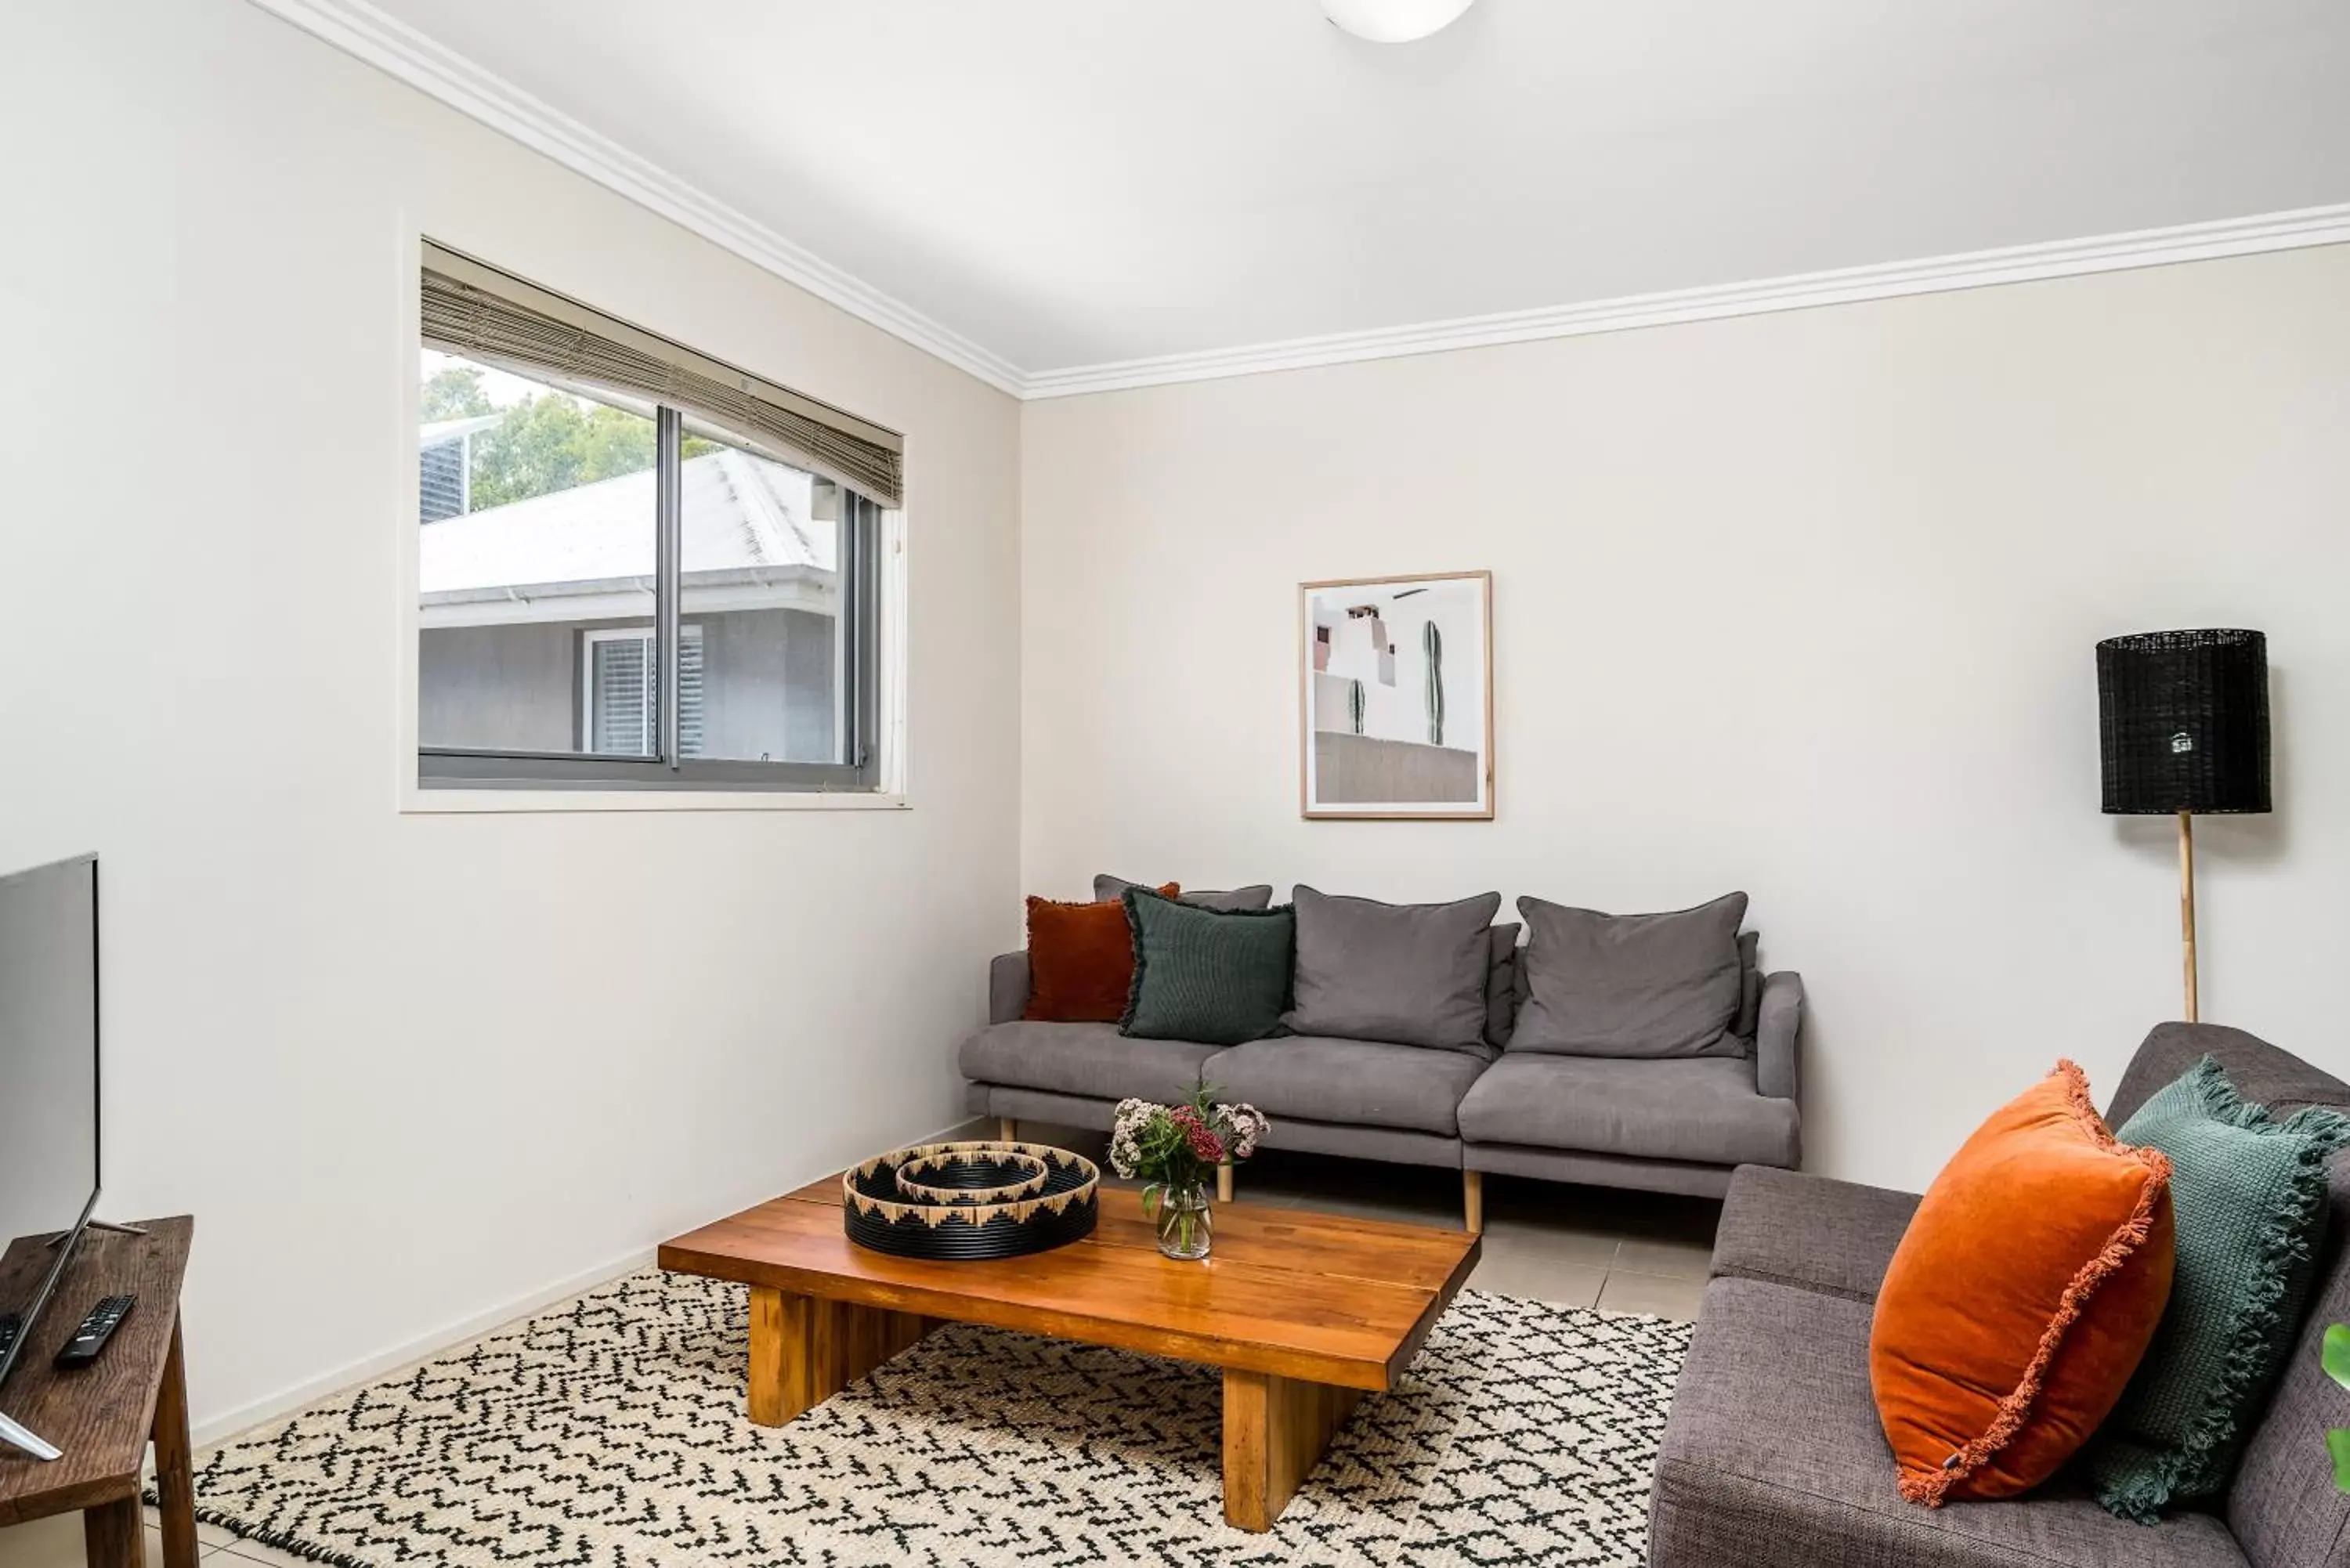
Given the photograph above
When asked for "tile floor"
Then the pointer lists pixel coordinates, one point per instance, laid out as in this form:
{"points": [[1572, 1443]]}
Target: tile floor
{"points": [[1621, 1251], [56, 1542]]}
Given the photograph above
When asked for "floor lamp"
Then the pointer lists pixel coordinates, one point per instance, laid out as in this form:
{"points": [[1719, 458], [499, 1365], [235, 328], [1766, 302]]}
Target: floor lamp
{"points": [[2183, 721]]}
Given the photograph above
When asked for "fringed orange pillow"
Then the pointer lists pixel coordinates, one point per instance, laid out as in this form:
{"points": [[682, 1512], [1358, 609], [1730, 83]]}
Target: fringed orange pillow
{"points": [[1080, 959], [2022, 1298]]}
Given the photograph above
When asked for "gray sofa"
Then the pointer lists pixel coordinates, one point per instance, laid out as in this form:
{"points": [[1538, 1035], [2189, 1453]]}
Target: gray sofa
{"points": [[1772, 1456], [1672, 1126]]}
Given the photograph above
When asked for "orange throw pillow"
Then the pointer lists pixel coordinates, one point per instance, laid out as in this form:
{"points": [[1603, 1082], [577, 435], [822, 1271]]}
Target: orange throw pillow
{"points": [[1080, 960], [2022, 1298]]}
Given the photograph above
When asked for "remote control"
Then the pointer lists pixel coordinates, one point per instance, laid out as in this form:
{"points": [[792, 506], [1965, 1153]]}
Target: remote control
{"points": [[95, 1331]]}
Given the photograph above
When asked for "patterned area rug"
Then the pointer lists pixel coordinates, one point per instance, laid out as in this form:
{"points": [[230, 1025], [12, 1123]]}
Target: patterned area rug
{"points": [[609, 1433]]}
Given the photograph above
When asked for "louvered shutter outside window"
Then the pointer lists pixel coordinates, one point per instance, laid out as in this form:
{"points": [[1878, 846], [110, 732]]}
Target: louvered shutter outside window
{"points": [[623, 698], [621, 707], [689, 694]]}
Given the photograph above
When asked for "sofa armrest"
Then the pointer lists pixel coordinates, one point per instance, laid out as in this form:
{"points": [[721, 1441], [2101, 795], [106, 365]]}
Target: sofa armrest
{"points": [[1778, 1064], [1007, 988]]}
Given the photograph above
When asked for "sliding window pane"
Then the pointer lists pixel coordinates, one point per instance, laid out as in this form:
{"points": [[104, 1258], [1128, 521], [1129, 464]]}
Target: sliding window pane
{"points": [[535, 566], [760, 596]]}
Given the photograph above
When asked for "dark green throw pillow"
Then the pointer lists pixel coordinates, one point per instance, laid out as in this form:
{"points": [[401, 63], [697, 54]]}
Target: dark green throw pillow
{"points": [[2249, 1193], [1217, 976]]}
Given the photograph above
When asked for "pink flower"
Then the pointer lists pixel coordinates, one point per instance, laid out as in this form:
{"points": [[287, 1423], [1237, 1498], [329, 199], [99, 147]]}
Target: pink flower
{"points": [[1201, 1138]]}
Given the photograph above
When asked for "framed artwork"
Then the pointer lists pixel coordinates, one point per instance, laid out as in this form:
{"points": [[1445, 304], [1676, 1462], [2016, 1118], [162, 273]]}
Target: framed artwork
{"points": [[1396, 698]]}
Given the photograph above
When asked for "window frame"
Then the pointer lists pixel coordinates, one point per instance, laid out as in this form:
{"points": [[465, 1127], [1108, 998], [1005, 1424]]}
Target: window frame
{"points": [[868, 539]]}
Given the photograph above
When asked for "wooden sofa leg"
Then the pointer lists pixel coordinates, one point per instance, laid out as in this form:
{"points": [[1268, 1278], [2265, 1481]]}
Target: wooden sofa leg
{"points": [[1007, 1130], [1224, 1182], [1472, 1200]]}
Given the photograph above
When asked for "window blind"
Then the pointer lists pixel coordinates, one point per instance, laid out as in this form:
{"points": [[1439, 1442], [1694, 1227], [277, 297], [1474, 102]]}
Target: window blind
{"points": [[474, 310]]}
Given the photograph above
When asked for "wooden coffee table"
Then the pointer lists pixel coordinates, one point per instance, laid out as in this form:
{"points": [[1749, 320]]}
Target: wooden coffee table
{"points": [[1304, 1312]]}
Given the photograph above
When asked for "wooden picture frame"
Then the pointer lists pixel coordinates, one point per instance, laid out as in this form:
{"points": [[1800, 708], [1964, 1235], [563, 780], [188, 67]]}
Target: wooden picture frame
{"points": [[1389, 648]]}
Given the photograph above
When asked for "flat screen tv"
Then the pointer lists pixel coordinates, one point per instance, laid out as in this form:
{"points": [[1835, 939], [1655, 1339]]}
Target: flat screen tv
{"points": [[48, 1082]]}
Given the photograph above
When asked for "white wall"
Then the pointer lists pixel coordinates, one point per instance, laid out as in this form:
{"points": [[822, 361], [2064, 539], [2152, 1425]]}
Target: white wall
{"points": [[1800, 603], [411, 1070]]}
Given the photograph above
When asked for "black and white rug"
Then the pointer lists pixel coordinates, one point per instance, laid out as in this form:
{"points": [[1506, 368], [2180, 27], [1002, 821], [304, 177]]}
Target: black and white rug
{"points": [[610, 1433]]}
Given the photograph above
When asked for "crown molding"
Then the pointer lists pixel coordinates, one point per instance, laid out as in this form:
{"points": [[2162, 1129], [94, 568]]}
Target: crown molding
{"points": [[361, 30], [399, 50], [1977, 269]]}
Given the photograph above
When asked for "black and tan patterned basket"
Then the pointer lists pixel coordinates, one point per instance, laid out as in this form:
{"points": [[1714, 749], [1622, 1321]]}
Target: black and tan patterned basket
{"points": [[969, 1200]]}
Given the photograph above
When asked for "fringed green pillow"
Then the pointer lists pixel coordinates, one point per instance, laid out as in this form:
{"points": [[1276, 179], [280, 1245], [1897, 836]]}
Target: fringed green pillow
{"points": [[1218, 977], [2249, 1196]]}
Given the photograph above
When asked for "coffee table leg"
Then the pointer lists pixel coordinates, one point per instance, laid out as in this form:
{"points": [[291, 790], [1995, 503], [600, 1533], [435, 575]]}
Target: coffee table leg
{"points": [[804, 1349], [1276, 1430]]}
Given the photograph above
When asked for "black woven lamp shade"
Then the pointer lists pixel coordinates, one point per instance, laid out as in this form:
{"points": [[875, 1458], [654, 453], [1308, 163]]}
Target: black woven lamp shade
{"points": [[2184, 718]]}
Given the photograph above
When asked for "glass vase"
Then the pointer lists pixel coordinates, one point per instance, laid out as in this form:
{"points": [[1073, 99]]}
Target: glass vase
{"points": [[1185, 1216]]}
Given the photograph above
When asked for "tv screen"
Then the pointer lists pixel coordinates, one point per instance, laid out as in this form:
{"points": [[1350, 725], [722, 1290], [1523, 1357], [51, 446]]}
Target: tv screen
{"points": [[48, 1075]]}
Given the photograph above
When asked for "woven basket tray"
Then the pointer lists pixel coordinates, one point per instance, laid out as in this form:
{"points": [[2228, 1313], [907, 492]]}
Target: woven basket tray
{"points": [[970, 1200]]}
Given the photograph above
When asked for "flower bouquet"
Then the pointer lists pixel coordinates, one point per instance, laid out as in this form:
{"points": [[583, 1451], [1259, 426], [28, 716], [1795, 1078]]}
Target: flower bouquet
{"points": [[1176, 1150]]}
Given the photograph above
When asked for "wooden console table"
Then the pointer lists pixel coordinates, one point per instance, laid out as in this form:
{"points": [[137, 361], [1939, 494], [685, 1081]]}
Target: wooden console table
{"points": [[104, 1416]]}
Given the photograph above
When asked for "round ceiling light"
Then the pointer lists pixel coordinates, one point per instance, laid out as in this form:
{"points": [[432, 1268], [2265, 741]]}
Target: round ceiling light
{"points": [[1394, 21]]}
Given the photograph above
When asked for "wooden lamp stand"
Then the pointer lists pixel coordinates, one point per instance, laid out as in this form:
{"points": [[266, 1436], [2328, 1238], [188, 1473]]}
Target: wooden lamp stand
{"points": [[2187, 907]]}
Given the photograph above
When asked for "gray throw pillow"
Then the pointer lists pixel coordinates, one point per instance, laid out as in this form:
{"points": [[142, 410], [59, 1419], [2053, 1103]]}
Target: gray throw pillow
{"points": [[1631, 985], [1414, 974], [1110, 889], [1502, 984]]}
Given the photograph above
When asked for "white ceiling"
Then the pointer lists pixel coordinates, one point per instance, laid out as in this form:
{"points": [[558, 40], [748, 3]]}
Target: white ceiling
{"points": [[1075, 182]]}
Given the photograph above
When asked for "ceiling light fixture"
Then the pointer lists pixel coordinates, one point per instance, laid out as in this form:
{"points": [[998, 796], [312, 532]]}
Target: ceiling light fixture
{"points": [[1394, 21]]}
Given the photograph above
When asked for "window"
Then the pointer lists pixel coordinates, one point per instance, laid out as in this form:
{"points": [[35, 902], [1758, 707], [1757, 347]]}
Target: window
{"points": [[637, 567]]}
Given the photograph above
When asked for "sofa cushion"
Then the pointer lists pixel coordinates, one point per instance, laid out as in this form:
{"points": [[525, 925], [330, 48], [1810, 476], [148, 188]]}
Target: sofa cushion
{"points": [[1698, 1108], [1502, 983], [2282, 1505], [2022, 1298], [1080, 960], [1091, 1060], [1834, 1236], [1258, 897], [1770, 1364], [1752, 982], [1215, 976], [1366, 1083], [1413, 973], [2260, 1072], [2249, 1194], [1664, 985]]}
